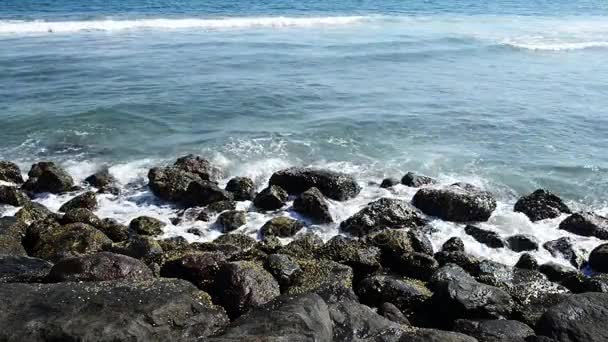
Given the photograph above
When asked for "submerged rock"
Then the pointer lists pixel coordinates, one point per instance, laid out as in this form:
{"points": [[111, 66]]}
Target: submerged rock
{"points": [[486, 237], [152, 310], [231, 220], [271, 198], [10, 172], [146, 225], [381, 214], [242, 188], [598, 259], [99, 267], [414, 180], [459, 202], [586, 224], [335, 185], [11, 195], [87, 200], [48, 177], [311, 203], [563, 248], [23, 269], [541, 205], [281, 226]]}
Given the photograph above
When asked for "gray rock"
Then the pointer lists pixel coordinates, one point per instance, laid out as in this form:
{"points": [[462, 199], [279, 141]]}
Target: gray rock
{"points": [[494, 330], [99, 267], [200, 193], [75, 239], [241, 241], [459, 202], [231, 220], [11, 195], [414, 180], [198, 268], [541, 205], [586, 224], [318, 275], [87, 200], [406, 294], [563, 248], [171, 183], [10, 172], [12, 232], [48, 177], [271, 198], [139, 247], [242, 188], [281, 226], [453, 244], [32, 211], [486, 237], [80, 215], [361, 257], [381, 214], [311, 203], [101, 179], [145, 225], [392, 313], [335, 185], [23, 269], [115, 231], [284, 269], [432, 335]]}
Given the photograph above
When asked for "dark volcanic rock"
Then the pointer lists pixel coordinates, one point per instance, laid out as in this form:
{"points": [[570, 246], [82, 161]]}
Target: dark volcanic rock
{"points": [[80, 215], [88, 200], [404, 253], [281, 226], [527, 261], [139, 247], [153, 310], [12, 232], [414, 180], [221, 206], [319, 274], [271, 198], [115, 231], [10, 172], [335, 185], [432, 335], [287, 318], [579, 318], [198, 268], [11, 195], [99, 267], [145, 225], [598, 259], [284, 269], [23, 269], [541, 205], [242, 188], [304, 246], [171, 183], [32, 211], [555, 272], [459, 202], [311, 203], [389, 183], [364, 259], [241, 241], [381, 214], [486, 237], [406, 294], [563, 248], [201, 193], [586, 224], [392, 313], [48, 177], [199, 166], [494, 330], [231, 220], [101, 179], [453, 244], [241, 285], [522, 242], [71, 240]]}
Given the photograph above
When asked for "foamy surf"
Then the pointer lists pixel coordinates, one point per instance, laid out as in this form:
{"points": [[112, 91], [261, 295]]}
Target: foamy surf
{"points": [[555, 46], [32, 27]]}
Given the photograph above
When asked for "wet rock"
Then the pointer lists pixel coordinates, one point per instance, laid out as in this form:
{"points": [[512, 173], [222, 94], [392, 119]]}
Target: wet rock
{"points": [[242, 241], [389, 183], [221, 206], [522, 242], [579, 318], [152, 310], [195, 231], [541, 205], [99, 267], [199, 166], [461, 296], [23, 269], [598, 259], [486, 237], [586, 224], [311, 203], [459, 202], [10, 172], [381, 214], [269, 244], [113, 229], [527, 261], [242, 188], [363, 259], [468, 262], [271, 198], [392, 313], [432, 335], [48, 177], [87, 200], [171, 183], [453, 244], [241, 285], [555, 272], [80, 215], [494, 330], [335, 185], [139, 247], [101, 179], [12, 232], [231, 220], [145, 225], [406, 294], [284, 269], [200, 193], [287, 318], [32, 211], [563, 248], [319, 274], [198, 268], [281, 226], [304, 246], [11, 195], [414, 180], [72, 240]]}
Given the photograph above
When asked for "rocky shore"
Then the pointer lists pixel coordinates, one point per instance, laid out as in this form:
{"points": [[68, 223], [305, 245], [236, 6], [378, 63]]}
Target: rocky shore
{"points": [[73, 276]]}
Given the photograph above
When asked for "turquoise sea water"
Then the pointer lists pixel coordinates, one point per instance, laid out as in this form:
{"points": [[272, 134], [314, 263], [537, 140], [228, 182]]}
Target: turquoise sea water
{"points": [[511, 95]]}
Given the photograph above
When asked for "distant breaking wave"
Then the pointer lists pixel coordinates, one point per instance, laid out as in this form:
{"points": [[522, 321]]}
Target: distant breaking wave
{"points": [[556, 46], [25, 27]]}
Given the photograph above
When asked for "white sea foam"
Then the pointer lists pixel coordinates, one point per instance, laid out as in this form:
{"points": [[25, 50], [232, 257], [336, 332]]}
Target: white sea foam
{"points": [[25, 27], [537, 45]]}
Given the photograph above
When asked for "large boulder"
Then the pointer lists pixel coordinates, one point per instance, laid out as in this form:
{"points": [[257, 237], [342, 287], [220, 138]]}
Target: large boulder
{"points": [[284, 269], [171, 183], [392, 313], [311, 203], [242, 241], [99, 267], [23, 269], [139, 247], [541, 205], [48, 177], [11, 195], [304, 246], [12, 232], [281, 226], [586, 224], [271, 198], [242, 188], [198, 268], [579, 318], [414, 180], [10, 172], [563, 248], [87, 200], [381, 214], [486, 237], [32, 211], [80, 215], [71, 240], [363, 258], [199, 166], [494, 330], [317, 275], [406, 294], [459, 202], [335, 185], [152, 310], [598, 259], [146, 225], [200, 193], [116, 231], [241, 285]]}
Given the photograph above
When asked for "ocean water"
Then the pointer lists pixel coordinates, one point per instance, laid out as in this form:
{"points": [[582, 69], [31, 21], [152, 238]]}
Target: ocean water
{"points": [[510, 95]]}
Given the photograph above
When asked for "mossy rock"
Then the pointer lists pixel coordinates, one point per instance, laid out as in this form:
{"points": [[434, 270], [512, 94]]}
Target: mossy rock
{"points": [[145, 225], [71, 240], [33, 211], [281, 226], [318, 274]]}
